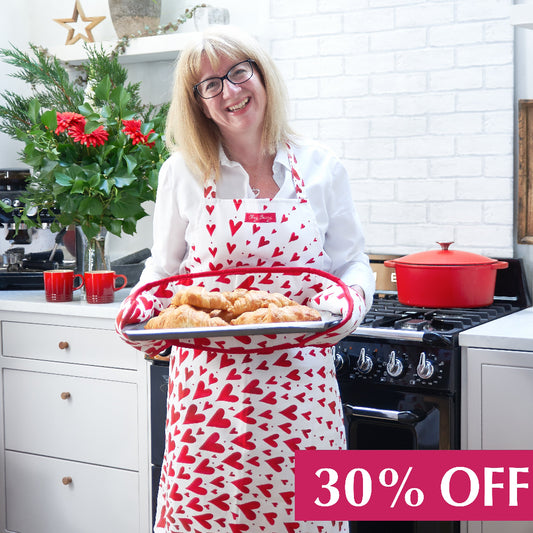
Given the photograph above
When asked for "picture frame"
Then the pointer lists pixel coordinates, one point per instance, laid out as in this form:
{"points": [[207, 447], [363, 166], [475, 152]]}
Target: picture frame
{"points": [[525, 172]]}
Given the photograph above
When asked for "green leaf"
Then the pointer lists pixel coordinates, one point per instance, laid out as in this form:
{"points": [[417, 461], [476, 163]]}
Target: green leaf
{"points": [[131, 163], [120, 97], [91, 126], [63, 179], [85, 109], [49, 119], [103, 89], [78, 186], [91, 206], [124, 181], [33, 110]]}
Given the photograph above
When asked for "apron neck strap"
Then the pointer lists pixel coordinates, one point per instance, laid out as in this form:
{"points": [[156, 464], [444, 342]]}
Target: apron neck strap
{"points": [[210, 190]]}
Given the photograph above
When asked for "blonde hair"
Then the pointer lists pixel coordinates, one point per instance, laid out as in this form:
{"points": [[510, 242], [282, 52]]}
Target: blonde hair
{"points": [[189, 130]]}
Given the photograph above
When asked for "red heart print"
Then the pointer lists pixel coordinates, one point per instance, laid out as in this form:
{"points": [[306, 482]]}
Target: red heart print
{"points": [[196, 487], [255, 228], [263, 241], [210, 208], [243, 415], [243, 441], [230, 247], [238, 528], [233, 460], [270, 398], [204, 519], [234, 226], [218, 420], [283, 360], [187, 436], [192, 417], [220, 502], [201, 391], [237, 203], [218, 482], [289, 412], [242, 484], [225, 394], [293, 443], [252, 388], [271, 440], [275, 463], [210, 228], [248, 509], [174, 494], [293, 237], [277, 252], [212, 445], [265, 489], [184, 456]]}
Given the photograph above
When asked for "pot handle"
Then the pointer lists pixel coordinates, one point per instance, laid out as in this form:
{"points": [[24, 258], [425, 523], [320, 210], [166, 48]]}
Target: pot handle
{"points": [[390, 263], [500, 264]]}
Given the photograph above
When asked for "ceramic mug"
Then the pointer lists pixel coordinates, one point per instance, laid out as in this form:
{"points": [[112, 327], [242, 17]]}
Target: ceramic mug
{"points": [[100, 286], [59, 285]]}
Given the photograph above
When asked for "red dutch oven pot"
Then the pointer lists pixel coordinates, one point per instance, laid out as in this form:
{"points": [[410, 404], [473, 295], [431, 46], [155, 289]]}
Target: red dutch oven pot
{"points": [[446, 278]]}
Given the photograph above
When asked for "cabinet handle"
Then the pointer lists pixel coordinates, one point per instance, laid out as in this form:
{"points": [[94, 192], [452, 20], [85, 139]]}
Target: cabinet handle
{"points": [[65, 395], [63, 345], [67, 480]]}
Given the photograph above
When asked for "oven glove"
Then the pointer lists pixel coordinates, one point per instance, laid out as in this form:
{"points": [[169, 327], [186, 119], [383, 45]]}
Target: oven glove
{"points": [[334, 300], [299, 283]]}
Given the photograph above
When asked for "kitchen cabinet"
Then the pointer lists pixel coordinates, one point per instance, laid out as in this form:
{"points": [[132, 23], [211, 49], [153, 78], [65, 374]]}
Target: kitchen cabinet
{"points": [[74, 453], [497, 394]]}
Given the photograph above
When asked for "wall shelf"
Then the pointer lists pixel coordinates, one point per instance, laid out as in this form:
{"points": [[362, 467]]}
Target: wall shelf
{"points": [[521, 16], [155, 48]]}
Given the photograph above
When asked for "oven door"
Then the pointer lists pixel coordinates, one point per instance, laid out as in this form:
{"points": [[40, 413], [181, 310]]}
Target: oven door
{"points": [[393, 419]]}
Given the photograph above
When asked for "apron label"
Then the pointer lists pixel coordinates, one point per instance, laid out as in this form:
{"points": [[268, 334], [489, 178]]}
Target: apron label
{"points": [[260, 217]]}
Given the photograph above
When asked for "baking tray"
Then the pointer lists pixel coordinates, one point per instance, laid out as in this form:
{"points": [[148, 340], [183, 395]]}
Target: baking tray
{"points": [[137, 331]]}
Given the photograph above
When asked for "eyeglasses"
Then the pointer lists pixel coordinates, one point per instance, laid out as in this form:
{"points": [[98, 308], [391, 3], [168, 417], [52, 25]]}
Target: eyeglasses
{"points": [[237, 74]]}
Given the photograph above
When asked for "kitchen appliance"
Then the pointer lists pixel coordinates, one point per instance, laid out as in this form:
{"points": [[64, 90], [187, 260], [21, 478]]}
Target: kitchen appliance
{"points": [[399, 374], [19, 269]]}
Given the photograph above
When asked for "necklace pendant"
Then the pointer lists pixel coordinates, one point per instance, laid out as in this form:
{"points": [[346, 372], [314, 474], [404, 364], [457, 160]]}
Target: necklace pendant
{"points": [[256, 192]]}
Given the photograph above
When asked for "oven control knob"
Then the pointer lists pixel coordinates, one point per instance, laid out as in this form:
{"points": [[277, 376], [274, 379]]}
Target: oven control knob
{"points": [[364, 362], [340, 361], [394, 365], [425, 368]]}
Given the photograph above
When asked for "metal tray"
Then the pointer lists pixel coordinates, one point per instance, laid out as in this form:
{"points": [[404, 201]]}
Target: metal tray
{"points": [[137, 331]]}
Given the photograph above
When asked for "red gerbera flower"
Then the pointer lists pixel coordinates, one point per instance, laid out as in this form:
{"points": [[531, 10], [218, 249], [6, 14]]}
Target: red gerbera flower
{"points": [[96, 138], [132, 128], [68, 119]]}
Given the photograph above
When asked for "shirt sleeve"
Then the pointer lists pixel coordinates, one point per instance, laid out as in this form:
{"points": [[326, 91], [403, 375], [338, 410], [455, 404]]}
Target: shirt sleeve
{"points": [[344, 238], [169, 227]]}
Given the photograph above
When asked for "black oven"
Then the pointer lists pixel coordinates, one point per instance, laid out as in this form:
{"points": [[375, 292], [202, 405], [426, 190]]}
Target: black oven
{"points": [[399, 375]]}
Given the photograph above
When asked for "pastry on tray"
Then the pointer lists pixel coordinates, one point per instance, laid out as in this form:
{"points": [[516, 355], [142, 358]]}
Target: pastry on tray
{"points": [[197, 307]]}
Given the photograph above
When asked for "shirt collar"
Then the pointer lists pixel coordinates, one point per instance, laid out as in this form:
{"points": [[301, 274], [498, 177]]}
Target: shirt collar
{"points": [[280, 159]]}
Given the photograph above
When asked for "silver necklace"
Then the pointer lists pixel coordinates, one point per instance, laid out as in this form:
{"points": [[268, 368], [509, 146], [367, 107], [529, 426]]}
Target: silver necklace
{"points": [[256, 192]]}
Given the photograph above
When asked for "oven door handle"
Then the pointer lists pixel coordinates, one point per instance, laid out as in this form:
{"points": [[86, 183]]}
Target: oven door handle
{"points": [[407, 417]]}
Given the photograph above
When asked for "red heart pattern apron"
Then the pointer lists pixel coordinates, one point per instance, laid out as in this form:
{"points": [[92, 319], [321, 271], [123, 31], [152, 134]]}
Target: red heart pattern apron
{"points": [[234, 421]]}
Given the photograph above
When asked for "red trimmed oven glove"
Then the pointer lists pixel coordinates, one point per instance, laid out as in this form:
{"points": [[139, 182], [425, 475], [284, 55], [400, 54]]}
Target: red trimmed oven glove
{"points": [[334, 300]]}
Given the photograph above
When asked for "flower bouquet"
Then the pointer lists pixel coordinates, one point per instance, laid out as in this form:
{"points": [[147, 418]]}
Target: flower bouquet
{"points": [[94, 148]]}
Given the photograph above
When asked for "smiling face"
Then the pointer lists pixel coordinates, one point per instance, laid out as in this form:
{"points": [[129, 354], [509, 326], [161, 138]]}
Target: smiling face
{"points": [[239, 109]]}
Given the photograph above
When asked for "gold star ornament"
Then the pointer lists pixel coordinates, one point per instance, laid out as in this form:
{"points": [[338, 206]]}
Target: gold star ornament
{"points": [[74, 34]]}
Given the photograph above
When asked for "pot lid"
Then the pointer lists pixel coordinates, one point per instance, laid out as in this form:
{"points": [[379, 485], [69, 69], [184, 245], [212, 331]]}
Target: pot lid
{"points": [[445, 257]]}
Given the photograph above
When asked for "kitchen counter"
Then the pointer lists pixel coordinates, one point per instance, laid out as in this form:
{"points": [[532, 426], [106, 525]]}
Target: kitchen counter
{"points": [[511, 332], [35, 301]]}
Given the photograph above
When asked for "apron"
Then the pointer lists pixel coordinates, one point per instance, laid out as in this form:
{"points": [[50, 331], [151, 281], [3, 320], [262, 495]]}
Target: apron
{"points": [[234, 422]]}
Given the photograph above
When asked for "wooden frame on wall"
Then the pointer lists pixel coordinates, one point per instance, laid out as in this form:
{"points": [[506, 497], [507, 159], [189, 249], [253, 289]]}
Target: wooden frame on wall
{"points": [[525, 172]]}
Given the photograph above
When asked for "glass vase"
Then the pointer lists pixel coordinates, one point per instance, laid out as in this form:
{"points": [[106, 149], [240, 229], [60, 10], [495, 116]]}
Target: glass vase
{"points": [[95, 256]]}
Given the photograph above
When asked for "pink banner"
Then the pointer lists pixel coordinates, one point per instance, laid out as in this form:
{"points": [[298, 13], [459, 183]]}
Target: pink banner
{"points": [[416, 485]]}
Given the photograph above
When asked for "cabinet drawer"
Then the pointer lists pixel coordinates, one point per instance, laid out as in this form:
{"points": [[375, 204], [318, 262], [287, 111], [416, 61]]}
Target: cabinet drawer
{"points": [[96, 499], [95, 421], [101, 347]]}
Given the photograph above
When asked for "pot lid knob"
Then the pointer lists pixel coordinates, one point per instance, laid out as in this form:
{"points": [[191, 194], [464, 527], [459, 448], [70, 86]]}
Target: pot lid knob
{"points": [[445, 245]]}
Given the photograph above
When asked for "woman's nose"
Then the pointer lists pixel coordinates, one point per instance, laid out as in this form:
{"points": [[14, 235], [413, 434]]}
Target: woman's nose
{"points": [[229, 88]]}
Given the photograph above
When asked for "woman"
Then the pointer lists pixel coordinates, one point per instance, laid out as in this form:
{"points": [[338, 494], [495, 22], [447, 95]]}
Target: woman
{"points": [[233, 423]]}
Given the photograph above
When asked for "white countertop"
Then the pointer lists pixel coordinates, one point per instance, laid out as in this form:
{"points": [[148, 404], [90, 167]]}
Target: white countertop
{"points": [[35, 301], [511, 332]]}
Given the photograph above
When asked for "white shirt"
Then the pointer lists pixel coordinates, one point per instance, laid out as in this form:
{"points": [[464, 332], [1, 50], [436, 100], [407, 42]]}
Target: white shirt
{"points": [[327, 188]]}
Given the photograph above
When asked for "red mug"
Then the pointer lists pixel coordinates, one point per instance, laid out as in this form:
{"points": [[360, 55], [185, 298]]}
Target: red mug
{"points": [[100, 286], [59, 285]]}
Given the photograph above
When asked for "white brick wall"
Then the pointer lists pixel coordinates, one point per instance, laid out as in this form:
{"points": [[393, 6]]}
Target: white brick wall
{"points": [[416, 96]]}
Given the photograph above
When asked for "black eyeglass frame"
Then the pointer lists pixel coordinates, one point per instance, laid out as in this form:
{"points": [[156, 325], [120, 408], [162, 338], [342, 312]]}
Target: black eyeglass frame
{"points": [[225, 77]]}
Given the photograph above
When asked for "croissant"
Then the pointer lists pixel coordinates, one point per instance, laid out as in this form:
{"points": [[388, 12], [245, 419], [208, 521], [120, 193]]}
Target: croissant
{"points": [[183, 316], [202, 298], [273, 313], [252, 300]]}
